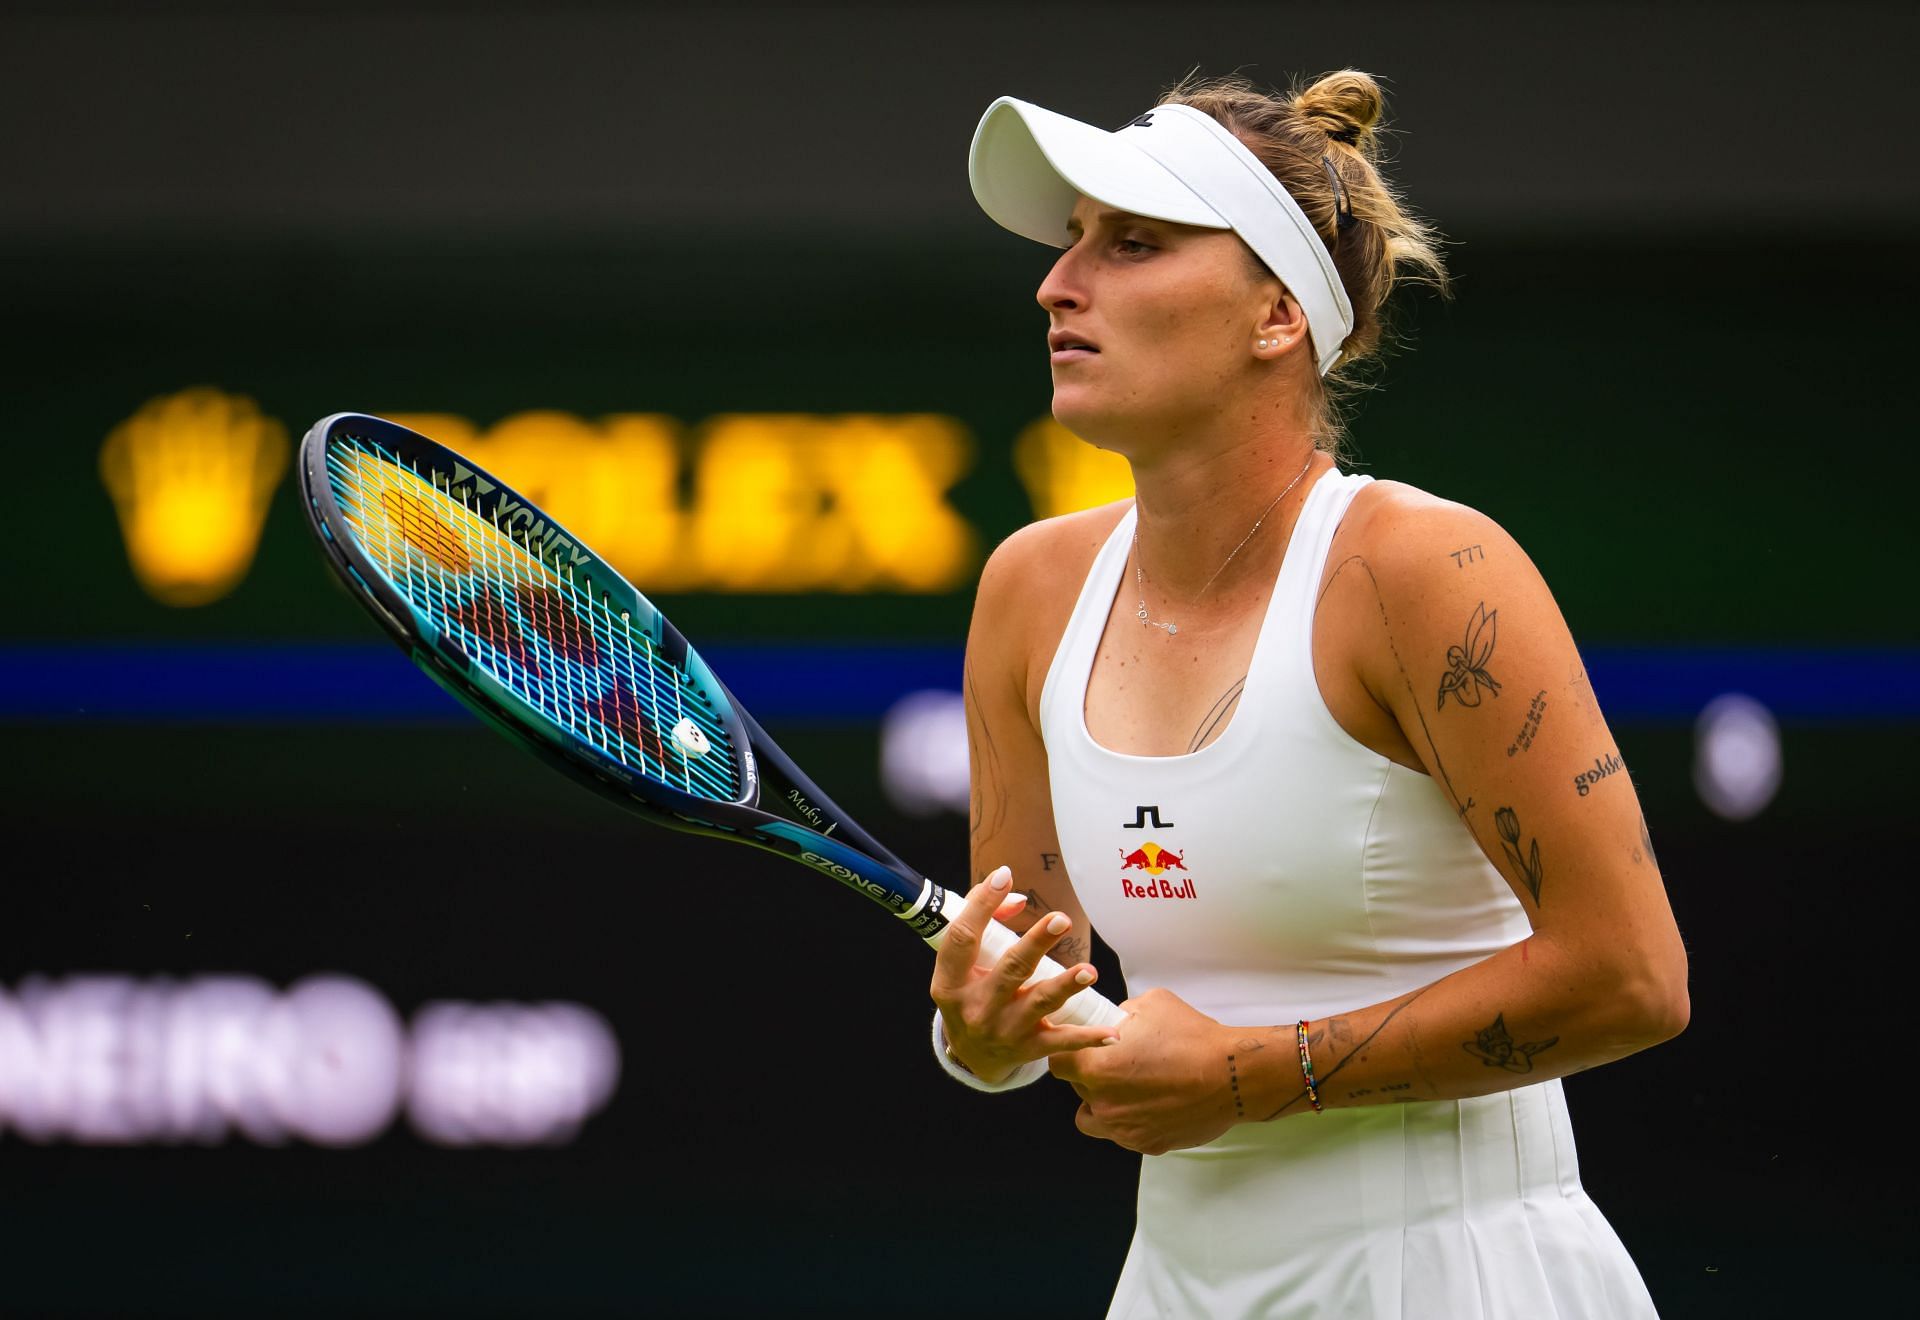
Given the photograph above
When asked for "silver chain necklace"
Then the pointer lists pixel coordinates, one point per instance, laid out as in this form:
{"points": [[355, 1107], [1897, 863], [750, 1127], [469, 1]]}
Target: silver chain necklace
{"points": [[1140, 571]]}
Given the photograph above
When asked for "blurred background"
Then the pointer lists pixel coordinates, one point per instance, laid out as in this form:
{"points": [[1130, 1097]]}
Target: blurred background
{"points": [[640, 259]]}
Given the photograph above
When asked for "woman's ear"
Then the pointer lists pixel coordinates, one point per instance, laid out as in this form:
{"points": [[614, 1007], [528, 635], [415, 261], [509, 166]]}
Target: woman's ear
{"points": [[1281, 328]]}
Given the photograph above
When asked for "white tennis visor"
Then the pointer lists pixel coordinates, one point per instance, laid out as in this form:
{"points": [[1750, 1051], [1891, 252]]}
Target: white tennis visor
{"points": [[1029, 166]]}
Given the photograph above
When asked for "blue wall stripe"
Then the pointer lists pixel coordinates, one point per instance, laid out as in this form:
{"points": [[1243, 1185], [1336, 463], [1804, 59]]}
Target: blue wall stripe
{"points": [[374, 684]]}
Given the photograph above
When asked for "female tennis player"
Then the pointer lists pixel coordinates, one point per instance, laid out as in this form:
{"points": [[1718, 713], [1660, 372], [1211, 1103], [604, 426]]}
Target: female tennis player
{"points": [[1315, 753]]}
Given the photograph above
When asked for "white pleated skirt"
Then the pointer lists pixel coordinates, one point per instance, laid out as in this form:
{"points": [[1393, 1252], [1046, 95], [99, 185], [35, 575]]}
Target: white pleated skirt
{"points": [[1442, 1210]]}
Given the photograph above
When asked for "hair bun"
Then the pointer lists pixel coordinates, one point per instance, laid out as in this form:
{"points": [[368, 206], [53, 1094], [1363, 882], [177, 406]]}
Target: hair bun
{"points": [[1345, 106]]}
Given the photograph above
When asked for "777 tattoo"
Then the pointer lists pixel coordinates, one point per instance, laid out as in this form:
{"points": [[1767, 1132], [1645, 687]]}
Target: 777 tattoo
{"points": [[1467, 665]]}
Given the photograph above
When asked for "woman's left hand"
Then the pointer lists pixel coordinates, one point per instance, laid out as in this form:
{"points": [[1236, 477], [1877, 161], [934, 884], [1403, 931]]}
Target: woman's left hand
{"points": [[1165, 1086]]}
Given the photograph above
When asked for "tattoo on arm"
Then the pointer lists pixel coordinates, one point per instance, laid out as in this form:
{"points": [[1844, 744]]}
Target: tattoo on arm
{"points": [[1646, 845], [988, 814], [1073, 949], [1610, 764], [1218, 716], [1467, 555], [1496, 1047], [1337, 1030], [1578, 686], [1251, 1045], [1036, 908], [1528, 866], [1047, 860], [1386, 627], [1390, 1090], [1467, 664], [1529, 727]]}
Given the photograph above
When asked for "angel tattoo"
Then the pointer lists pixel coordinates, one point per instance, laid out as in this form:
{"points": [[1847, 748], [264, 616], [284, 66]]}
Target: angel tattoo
{"points": [[1496, 1048], [1467, 665]]}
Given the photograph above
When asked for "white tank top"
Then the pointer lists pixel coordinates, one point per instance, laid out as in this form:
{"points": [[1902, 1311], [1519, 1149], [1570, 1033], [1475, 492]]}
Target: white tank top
{"points": [[1283, 871]]}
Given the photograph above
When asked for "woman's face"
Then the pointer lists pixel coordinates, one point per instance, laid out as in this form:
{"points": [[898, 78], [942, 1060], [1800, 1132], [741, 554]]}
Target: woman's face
{"points": [[1170, 315]]}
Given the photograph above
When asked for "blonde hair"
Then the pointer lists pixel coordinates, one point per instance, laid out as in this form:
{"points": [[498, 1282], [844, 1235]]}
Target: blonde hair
{"points": [[1329, 127]]}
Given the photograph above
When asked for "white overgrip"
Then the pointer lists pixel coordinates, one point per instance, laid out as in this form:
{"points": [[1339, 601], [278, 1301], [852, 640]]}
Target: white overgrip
{"points": [[1087, 1008]]}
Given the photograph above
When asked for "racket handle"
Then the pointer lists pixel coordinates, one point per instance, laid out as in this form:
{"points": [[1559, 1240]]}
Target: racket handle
{"points": [[1088, 1008]]}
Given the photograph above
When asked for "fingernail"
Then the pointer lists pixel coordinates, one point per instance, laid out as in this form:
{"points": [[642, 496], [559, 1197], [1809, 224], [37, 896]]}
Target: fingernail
{"points": [[1111, 1040], [1001, 878], [1013, 900], [1084, 976], [1057, 923]]}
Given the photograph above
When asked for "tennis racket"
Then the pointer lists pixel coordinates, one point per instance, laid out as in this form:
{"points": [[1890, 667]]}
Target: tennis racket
{"points": [[536, 634]]}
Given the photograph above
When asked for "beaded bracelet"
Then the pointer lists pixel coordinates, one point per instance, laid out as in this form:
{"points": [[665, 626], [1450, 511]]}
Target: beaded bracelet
{"points": [[1306, 1067]]}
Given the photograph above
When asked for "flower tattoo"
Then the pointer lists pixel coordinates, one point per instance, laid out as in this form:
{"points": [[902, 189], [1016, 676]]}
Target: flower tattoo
{"points": [[1528, 866]]}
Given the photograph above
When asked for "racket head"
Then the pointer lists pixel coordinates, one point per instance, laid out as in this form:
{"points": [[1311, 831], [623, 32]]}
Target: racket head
{"points": [[509, 612]]}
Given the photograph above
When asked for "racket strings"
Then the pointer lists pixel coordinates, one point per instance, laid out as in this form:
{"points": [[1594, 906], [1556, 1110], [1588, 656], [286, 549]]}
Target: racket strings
{"points": [[536, 630]]}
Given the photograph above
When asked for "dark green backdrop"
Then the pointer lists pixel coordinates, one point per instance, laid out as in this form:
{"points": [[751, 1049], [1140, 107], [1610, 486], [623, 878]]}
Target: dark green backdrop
{"points": [[1689, 452], [1689, 456]]}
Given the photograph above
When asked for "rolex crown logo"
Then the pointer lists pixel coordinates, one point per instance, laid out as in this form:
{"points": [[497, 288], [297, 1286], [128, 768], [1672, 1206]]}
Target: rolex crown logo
{"points": [[191, 476]]}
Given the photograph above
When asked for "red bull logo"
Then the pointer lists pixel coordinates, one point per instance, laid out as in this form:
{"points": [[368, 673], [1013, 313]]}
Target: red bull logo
{"points": [[1156, 862], [1151, 858]]}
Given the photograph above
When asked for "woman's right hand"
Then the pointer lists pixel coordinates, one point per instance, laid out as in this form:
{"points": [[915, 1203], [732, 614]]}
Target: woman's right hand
{"points": [[995, 1021]]}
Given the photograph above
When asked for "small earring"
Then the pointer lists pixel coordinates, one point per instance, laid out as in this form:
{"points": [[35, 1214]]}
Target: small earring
{"points": [[1263, 343]]}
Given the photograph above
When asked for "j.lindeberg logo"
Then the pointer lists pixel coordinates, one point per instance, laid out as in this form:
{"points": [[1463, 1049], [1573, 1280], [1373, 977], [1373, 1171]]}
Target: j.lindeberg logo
{"points": [[1145, 816], [1144, 121]]}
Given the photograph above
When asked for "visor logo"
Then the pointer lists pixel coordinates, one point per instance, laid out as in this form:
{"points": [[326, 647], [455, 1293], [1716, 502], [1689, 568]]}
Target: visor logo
{"points": [[1144, 121]]}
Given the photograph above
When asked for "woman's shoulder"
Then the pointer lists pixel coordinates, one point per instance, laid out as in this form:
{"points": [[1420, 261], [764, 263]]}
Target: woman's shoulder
{"points": [[1051, 557], [1027, 593], [1397, 523]]}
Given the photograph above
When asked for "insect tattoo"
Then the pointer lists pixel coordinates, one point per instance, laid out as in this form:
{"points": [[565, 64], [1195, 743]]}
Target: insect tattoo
{"points": [[1495, 1046], [1508, 826], [1467, 664]]}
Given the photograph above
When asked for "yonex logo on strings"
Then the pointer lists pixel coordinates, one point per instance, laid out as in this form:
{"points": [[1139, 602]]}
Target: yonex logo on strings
{"points": [[461, 473], [511, 516]]}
